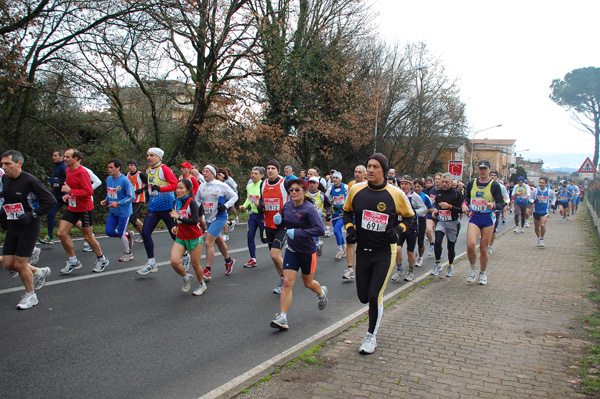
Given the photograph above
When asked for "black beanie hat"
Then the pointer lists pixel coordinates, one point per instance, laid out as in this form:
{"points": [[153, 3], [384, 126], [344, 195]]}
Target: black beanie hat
{"points": [[379, 157], [274, 163]]}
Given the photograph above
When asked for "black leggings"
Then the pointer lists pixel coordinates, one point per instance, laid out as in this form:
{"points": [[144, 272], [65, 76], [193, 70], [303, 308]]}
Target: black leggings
{"points": [[373, 269], [439, 237]]}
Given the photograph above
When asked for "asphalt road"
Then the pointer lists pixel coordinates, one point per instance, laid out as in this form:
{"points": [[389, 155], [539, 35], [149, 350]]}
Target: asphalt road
{"points": [[117, 334]]}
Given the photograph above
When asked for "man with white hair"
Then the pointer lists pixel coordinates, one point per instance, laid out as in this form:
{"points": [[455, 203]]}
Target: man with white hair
{"points": [[161, 186]]}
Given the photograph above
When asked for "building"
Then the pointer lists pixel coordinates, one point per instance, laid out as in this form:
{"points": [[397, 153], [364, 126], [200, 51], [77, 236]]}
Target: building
{"points": [[500, 153]]}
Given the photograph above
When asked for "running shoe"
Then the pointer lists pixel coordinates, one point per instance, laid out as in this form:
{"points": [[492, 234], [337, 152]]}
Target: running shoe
{"points": [[229, 266], [127, 256], [522, 229], [139, 239], [186, 259], [46, 240], [562, 220], [130, 235], [419, 262], [527, 223], [225, 237], [348, 274], [472, 275], [490, 250], [40, 280], [538, 243], [250, 263], [207, 275], [35, 256], [237, 220], [277, 290], [516, 230], [436, 270], [503, 221], [231, 224], [320, 248], [368, 344], [482, 278], [70, 267], [542, 243], [450, 271], [344, 254], [568, 217], [339, 254], [149, 268], [101, 264], [430, 250], [409, 276], [187, 283], [87, 247], [13, 274], [280, 322], [397, 276], [322, 303], [200, 289], [327, 233], [27, 301]]}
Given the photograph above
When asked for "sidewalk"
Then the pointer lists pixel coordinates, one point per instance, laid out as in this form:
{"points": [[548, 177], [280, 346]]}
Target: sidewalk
{"points": [[514, 338]]}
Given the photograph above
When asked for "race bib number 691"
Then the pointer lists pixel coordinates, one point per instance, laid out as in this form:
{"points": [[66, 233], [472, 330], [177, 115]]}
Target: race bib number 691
{"points": [[374, 221]]}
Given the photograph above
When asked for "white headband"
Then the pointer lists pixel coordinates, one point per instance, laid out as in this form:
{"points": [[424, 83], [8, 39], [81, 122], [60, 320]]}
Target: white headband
{"points": [[157, 151]]}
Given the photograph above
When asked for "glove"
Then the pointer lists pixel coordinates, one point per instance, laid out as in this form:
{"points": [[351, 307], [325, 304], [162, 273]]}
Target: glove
{"points": [[221, 208], [290, 233], [328, 217], [139, 191], [277, 219], [351, 236], [401, 227], [154, 189], [26, 218]]}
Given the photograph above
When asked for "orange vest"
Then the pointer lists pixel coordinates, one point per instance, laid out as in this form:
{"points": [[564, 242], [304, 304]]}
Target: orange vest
{"points": [[136, 182]]}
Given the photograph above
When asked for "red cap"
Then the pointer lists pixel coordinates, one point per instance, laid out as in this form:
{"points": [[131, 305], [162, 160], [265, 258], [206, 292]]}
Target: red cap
{"points": [[186, 165]]}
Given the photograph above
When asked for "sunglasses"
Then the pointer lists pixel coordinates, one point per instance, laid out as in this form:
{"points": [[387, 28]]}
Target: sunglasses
{"points": [[295, 190]]}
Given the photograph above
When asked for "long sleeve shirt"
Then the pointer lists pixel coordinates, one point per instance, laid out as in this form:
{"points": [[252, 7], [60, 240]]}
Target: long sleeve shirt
{"points": [[307, 224]]}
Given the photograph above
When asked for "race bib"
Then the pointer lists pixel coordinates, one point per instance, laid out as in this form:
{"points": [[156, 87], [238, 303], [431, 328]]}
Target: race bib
{"points": [[542, 199], [478, 205], [13, 211], [339, 200], [111, 192], [209, 207], [271, 204], [374, 221], [254, 199], [445, 215], [72, 201], [564, 198], [181, 213]]}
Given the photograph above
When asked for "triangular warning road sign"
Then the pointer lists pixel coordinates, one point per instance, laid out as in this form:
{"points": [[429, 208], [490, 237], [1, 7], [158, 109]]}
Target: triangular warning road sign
{"points": [[587, 167]]}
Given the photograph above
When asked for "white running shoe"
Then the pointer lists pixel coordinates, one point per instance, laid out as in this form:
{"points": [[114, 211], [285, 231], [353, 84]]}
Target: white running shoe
{"points": [[348, 274], [409, 276], [482, 278], [186, 259], [127, 256], [436, 270], [527, 223], [538, 243], [35, 256], [327, 233], [322, 302], [419, 262], [225, 237], [27, 301], [200, 290], [472, 275], [87, 247], [522, 229], [368, 344], [450, 271], [40, 279], [490, 250], [430, 250], [101, 264], [339, 254], [232, 224], [187, 283], [70, 267], [516, 230], [277, 290], [149, 268], [541, 244], [397, 276], [280, 322]]}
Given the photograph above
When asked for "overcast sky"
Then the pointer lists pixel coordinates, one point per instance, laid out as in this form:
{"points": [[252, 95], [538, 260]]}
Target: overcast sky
{"points": [[505, 56]]}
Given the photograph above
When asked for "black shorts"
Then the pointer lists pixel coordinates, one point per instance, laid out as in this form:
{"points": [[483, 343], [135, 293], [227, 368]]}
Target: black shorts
{"points": [[410, 237], [87, 217], [136, 209], [21, 244], [563, 204], [538, 216], [275, 237]]}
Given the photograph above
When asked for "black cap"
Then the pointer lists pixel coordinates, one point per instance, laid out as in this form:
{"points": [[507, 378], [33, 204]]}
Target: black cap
{"points": [[484, 163], [379, 157], [132, 162], [274, 163]]}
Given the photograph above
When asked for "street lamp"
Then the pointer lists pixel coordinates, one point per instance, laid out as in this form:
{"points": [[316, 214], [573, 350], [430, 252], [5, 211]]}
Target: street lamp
{"points": [[473, 145], [419, 68]]}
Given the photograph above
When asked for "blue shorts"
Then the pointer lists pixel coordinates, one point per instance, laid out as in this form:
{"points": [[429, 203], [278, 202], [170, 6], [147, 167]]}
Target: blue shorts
{"points": [[214, 228], [483, 220], [300, 260]]}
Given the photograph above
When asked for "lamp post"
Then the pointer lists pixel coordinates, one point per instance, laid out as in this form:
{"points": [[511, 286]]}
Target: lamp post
{"points": [[419, 68], [473, 145]]}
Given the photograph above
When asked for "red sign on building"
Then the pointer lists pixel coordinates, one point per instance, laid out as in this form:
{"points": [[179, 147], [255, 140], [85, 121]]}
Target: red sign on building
{"points": [[455, 168]]}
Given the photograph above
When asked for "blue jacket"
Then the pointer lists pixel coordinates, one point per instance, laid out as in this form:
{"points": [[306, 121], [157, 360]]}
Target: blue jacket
{"points": [[307, 224]]}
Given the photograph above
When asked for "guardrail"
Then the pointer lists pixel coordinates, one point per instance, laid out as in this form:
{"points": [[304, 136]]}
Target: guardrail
{"points": [[591, 199]]}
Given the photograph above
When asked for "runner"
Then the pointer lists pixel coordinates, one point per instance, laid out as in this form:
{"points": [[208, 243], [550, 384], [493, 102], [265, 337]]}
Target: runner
{"points": [[256, 221], [314, 171], [273, 195], [216, 198], [360, 174], [321, 203], [96, 182], [139, 182], [187, 214], [564, 199], [303, 223], [391, 173], [422, 220], [161, 185], [337, 194], [25, 200], [375, 208], [484, 196], [78, 193], [186, 173], [520, 198], [411, 234], [56, 181], [542, 197], [448, 208], [119, 195], [506, 197], [575, 198], [223, 176], [288, 172], [431, 191]]}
